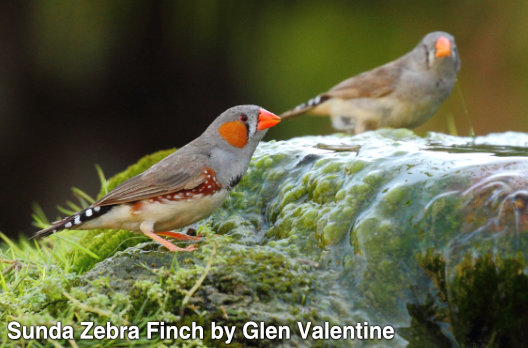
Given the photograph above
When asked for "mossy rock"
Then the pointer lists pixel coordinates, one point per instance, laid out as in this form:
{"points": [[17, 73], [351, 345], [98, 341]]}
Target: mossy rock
{"points": [[384, 227], [485, 304]]}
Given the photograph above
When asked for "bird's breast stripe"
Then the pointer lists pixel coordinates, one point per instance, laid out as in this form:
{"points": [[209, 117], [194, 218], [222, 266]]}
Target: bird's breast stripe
{"points": [[209, 186]]}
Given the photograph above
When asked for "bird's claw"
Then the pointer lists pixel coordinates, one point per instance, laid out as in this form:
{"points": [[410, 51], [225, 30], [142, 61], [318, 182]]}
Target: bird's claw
{"points": [[191, 247], [176, 249]]}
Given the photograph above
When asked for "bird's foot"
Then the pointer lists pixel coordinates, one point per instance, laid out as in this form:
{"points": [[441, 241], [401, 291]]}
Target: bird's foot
{"points": [[180, 236], [171, 247], [176, 249]]}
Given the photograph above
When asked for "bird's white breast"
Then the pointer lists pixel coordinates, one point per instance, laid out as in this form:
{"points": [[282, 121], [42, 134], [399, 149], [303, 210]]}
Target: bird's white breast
{"points": [[372, 113], [163, 213]]}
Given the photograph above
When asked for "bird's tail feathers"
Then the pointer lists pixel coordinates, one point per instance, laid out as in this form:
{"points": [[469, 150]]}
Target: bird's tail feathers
{"points": [[73, 221], [305, 107]]}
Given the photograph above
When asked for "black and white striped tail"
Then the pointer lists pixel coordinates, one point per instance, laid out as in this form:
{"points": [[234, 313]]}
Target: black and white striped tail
{"points": [[304, 107], [71, 222]]}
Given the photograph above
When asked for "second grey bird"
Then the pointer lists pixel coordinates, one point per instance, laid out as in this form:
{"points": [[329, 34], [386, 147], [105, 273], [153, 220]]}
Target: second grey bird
{"points": [[403, 93]]}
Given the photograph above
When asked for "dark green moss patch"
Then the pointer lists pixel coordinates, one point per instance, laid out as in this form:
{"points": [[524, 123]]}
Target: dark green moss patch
{"points": [[394, 232], [484, 304]]}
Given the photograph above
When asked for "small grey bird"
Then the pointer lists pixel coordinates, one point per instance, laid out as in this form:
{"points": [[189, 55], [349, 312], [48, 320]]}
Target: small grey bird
{"points": [[403, 93], [184, 187]]}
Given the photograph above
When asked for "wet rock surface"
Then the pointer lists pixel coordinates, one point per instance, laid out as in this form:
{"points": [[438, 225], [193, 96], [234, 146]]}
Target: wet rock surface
{"points": [[427, 234]]}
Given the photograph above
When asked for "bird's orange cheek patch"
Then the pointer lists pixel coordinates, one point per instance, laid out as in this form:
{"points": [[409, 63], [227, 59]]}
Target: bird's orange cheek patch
{"points": [[235, 133]]}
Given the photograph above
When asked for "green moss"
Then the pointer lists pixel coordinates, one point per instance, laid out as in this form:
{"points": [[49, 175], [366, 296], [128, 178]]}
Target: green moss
{"points": [[374, 178], [325, 189], [425, 330], [394, 198], [332, 233], [491, 298], [486, 306], [402, 133], [354, 166], [312, 235]]}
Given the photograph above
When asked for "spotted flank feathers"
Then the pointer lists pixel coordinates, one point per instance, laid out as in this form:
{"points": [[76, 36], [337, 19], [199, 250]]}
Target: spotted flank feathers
{"points": [[71, 222], [209, 186]]}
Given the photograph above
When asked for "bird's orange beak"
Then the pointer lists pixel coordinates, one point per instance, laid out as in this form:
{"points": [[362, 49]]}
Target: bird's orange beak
{"points": [[266, 119], [442, 47]]}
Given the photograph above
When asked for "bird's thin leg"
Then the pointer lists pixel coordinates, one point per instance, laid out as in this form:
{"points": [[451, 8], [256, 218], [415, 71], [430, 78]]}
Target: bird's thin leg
{"points": [[147, 229], [360, 127], [177, 235]]}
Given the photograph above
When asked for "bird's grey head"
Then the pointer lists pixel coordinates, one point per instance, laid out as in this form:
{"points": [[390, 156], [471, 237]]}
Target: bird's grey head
{"points": [[240, 128], [234, 136], [437, 52]]}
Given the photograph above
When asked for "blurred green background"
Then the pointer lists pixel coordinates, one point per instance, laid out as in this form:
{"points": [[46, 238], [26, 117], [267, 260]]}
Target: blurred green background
{"points": [[86, 82]]}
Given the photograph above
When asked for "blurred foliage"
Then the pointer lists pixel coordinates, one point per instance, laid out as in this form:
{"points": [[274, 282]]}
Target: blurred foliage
{"points": [[281, 53], [114, 80]]}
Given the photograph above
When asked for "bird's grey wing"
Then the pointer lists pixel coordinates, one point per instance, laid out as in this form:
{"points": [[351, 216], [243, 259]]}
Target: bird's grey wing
{"points": [[371, 84], [172, 174]]}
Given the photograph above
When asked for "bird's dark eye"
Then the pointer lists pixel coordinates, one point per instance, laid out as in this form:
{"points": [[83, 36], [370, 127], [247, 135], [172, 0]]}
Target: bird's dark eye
{"points": [[243, 117]]}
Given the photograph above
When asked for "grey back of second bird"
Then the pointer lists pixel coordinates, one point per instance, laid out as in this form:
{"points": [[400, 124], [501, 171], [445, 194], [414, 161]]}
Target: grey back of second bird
{"points": [[403, 93]]}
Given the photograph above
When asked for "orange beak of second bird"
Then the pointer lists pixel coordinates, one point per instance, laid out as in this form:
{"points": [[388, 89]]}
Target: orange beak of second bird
{"points": [[443, 47], [266, 119]]}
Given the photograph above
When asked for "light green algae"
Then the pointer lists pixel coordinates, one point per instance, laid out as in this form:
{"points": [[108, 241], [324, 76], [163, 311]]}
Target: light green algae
{"points": [[403, 231]]}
